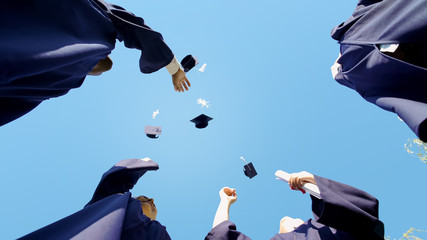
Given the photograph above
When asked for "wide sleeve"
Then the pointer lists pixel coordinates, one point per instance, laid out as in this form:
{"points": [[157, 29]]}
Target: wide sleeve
{"points": [[102, 220], [347, 209], [226, 231], [13, 108], [363, 6], [122, 177], [131, 29], [413, 113]]}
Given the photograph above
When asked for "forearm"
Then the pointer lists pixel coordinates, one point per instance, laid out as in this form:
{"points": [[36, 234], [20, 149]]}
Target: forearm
{"points": [[222, 213]]}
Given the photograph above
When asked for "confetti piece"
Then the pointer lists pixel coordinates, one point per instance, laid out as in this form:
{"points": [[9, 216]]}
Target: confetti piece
{"points": [[203, 102], [155, 113], [202, 68]]}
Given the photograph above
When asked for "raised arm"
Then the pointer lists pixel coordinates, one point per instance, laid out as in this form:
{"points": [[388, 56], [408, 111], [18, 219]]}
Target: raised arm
{"points": [[132, 30], [122, 177], [155, 54], [228, 196], [223, 229], [347, 208]]}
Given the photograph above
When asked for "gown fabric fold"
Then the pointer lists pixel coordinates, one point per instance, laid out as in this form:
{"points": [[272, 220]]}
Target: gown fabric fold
{"points": [[389, 82], [48, 47], [343, 213], [112, 213]]}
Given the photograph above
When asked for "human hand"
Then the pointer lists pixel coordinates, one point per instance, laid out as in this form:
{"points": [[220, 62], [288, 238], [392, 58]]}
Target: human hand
{"points": [[102, 66], [228, 194], [296, 180], [180, 81]]}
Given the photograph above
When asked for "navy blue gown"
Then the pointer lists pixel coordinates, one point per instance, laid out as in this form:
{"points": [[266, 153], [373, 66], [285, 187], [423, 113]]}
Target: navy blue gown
{"points": [[396, 84], [343, 213], [111, 213], [47, 47]]}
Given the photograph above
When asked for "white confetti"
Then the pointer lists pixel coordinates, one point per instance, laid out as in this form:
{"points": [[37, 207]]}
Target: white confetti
{"points": [[203, 102], [202, 68], [155, 113]]}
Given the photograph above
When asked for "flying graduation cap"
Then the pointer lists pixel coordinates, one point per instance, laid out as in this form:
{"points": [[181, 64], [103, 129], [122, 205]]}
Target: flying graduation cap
{"points": [[153, 131], [188, 62], [249, 169], [201, 121]]}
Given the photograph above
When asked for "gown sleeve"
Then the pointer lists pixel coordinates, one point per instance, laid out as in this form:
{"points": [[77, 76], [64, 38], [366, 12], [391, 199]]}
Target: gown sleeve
{"points": [[412, 112], [226, 231], [347, 209], [13, 108], [122, 177], [363, 6], [131, 29]]}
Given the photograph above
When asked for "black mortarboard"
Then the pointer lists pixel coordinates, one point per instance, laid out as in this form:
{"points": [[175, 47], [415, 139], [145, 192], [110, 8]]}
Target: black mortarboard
{"points": [[153, 131], [189, 62], [201, 121], [249, 170]]}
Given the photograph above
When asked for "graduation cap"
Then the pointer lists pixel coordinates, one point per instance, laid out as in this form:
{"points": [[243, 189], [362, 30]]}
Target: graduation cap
{"points": [[189, 62], [201, 121], [249, 169], [153, 131]]}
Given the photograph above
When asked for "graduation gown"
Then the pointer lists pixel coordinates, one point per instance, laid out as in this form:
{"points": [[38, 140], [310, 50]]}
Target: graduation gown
{"points": [[47, 47], [343, 213], [111, 213], [386, 81]]}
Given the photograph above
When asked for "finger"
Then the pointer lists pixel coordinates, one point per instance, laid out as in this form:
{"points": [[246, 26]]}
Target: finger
{"points": [[299, 183], [185, 86], [296, 183], [292, 182], [228, 191], [188, 82]]}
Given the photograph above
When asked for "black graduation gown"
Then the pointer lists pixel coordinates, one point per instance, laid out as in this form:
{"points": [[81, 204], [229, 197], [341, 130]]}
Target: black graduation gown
{"points": [[47, 47], [112, 213], [343, 213], [386, 81]]}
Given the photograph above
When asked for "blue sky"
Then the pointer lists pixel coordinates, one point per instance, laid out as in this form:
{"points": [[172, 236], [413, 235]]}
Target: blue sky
{"points": [[273, 101]]}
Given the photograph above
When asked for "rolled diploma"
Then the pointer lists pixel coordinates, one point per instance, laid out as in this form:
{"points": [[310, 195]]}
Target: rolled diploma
{"points": [[308, 187]]}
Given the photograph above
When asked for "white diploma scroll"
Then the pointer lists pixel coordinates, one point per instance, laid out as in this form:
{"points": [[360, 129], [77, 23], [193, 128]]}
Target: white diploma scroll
{"points": [[308, 187]]}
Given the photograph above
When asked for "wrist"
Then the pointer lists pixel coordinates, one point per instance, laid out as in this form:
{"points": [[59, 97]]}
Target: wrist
{"points": [[173, 66]]}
